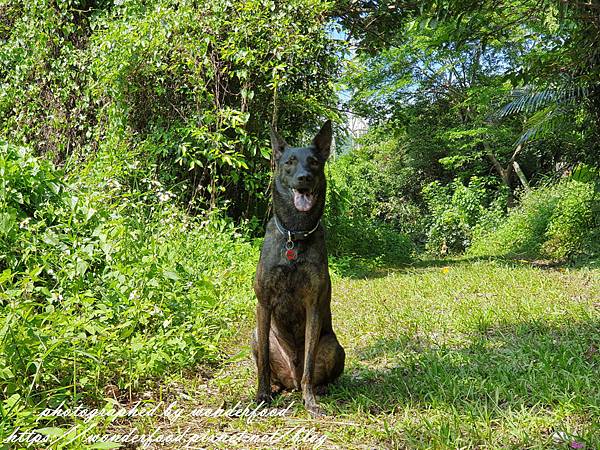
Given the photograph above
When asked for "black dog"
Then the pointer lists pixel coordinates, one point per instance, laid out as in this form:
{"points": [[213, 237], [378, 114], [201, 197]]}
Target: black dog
{"points": [[294, 344]]}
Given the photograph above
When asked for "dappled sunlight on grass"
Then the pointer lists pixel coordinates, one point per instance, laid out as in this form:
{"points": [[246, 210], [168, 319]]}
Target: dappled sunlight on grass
{"points": [[471, 352], [442, 354]]}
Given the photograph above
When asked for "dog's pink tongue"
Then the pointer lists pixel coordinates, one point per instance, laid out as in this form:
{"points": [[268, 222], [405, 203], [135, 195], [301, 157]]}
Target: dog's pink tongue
{"points": [[303, 202]]}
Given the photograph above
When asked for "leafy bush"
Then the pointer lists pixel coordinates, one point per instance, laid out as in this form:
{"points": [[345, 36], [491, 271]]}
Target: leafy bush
{"points": [[380, 185], [106, 287], [28, 187], [455, 210], [187, 87], [574, 227], [351, 231], [355, 235], [556, 221]]}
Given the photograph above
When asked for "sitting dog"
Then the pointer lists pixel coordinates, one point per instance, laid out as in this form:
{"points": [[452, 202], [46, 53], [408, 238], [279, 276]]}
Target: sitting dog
{"points": [[294, 345]]}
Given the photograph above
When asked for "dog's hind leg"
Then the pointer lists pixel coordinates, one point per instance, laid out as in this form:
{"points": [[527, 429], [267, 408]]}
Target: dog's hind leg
{"points": [[330, 360], [282, 370]]}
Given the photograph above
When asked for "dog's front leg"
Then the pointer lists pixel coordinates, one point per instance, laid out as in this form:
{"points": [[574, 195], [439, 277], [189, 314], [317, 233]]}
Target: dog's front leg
{"points": [[263, 319], [311, 340]]}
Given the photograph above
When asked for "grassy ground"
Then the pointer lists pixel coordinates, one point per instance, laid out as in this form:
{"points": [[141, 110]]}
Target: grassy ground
{"points": [[442, 354]]}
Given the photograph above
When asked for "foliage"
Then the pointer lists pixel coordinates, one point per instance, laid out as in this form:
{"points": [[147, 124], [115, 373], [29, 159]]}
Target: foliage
{"points": [[106, 288], [574, 227], [28, 186], [466, 90], [123, 267], [354, 230], [437, 101], [44, 71], [555, 221], [456, 209], [381, 184], [444, 94], [186, 88]]}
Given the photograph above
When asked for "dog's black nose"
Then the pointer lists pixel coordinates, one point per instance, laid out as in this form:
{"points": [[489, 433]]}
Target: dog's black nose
{"points": [[305, 177]]}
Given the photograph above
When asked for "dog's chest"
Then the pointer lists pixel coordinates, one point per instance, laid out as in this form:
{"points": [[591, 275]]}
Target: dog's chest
{"points": [[295, 282], [293, 288], [289, 318]]}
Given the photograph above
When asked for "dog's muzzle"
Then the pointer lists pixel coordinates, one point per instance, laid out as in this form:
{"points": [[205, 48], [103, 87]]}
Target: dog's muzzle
{"points": [[304, 199]]}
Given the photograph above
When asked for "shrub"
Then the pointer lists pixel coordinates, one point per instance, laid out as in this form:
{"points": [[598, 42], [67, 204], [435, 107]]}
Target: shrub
{"points": [[574, 227], [28, 187], [352, 232], [106, 287], [556, 221], [455, 210], [382, 186], [188, 86]]}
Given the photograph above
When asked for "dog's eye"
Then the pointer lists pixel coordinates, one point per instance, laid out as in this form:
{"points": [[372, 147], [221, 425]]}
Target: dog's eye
{"points": [[314, 163]]}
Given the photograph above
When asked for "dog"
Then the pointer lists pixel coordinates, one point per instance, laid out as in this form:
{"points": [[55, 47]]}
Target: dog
{"points": [[293, 344]]}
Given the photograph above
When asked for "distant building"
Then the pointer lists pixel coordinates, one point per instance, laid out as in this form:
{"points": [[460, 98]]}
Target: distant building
{"points": [[356, 127]]}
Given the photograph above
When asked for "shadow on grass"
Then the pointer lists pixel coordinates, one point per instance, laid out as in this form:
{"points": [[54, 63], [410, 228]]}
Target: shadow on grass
{"points": [[587, 263], [363, 268], [366, 269], [514, 366]]}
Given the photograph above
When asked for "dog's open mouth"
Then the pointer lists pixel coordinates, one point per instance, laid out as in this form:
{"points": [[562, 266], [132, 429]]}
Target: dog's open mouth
{"points": [[304, 199]]}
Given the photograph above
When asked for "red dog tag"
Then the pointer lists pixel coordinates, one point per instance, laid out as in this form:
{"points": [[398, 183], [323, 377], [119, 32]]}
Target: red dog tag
{"points": [[291, 254]]}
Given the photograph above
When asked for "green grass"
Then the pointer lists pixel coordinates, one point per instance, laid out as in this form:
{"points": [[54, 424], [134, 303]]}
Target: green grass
{"points": [[441, 354]]}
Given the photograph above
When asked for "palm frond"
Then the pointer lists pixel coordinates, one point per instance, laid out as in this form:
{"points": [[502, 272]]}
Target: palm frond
{"points": [[529, 99], [544, 107], [541, 123]]}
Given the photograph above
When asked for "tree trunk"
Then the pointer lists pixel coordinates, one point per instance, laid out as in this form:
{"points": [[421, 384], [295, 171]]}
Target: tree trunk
{"points": [[507, 174], [521, 176]]}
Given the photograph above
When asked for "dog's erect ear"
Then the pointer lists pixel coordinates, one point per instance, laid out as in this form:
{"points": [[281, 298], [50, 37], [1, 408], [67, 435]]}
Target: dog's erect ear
{"points": [[322, 140], [278, 144]]}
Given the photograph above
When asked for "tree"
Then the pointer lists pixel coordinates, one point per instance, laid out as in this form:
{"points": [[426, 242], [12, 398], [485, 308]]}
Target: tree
{"points": [[187, 88], [468, 62]]}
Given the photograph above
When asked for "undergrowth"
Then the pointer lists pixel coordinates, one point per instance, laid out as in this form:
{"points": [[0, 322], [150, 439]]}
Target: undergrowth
{"points": [[560, 221], [103, 286]]}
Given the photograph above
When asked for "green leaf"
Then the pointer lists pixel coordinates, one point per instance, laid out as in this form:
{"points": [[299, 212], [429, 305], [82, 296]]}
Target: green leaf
{"points": [[82, 266], [52, 431], [6, 373], [7, 221], [5, 275], [171, 275]]}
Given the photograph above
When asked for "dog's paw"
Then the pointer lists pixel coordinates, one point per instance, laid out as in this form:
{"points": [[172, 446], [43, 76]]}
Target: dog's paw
{"points": [[315, 411], [264, 397]]}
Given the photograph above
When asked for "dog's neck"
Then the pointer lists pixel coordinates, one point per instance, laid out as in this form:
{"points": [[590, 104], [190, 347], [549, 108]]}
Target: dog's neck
{"points": [[292, 219]]}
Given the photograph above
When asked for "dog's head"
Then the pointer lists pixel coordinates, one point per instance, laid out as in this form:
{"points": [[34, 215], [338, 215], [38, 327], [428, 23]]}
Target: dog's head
{"points": [[300, 171]]}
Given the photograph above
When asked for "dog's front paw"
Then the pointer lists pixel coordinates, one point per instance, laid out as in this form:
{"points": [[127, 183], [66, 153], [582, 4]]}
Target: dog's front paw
{"points": [[315, 410], [264, 397]]}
